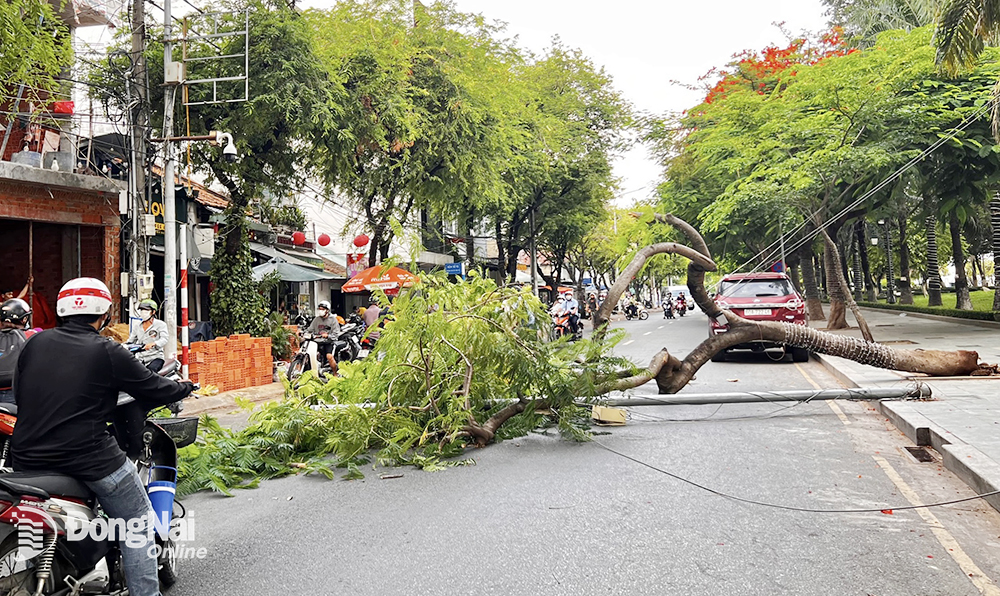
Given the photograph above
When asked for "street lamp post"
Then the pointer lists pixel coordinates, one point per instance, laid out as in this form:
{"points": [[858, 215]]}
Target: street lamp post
{"points": [[889, 285]]}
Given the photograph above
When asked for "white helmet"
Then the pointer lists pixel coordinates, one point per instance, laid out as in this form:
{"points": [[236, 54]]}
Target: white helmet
{"points": [[83, 296]]}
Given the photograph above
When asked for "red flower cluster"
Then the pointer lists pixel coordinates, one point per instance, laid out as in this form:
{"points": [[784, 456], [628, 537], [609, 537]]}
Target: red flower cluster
{"points": [[762, 72]]}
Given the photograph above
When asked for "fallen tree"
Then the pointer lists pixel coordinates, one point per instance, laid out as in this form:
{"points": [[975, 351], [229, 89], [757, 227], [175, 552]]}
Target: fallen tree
{"points": [[466, 364], [672, 375]]}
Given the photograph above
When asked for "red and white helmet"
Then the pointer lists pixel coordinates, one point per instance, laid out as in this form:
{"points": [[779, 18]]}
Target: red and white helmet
{"points": [[83, 296]]}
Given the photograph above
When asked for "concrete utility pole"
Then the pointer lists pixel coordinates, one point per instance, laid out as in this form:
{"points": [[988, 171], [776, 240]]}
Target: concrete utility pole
{"points": [[534, 257], [171, 82]]}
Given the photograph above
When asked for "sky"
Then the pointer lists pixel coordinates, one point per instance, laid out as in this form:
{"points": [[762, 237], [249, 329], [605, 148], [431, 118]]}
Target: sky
{"points": [[645, 45]]}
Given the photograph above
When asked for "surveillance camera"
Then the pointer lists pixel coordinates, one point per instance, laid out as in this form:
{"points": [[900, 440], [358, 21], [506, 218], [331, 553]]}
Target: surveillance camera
{"points": [[229, 151]]}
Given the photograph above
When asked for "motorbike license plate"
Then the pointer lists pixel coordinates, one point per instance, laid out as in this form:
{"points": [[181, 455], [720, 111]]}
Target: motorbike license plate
{"points": [[757, 312]]}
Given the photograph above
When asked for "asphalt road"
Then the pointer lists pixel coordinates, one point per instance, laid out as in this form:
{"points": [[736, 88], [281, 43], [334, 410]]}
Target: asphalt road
{"points": [[539, 515]]}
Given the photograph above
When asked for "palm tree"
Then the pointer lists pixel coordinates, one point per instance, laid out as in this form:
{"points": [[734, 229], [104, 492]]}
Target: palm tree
{"points": [[963, 30], [863, 20], [995, 223]]}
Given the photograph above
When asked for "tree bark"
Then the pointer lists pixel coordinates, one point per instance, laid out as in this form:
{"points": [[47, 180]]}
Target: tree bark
{"points": [[837, 318], [839, 290], [995, 225], [813, 304], [905, 291], [859, 283], [933, 263], [962, 299]]}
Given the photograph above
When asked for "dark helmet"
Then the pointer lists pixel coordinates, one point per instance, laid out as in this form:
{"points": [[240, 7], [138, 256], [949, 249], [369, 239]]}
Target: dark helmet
{"points": [[15, 311]]}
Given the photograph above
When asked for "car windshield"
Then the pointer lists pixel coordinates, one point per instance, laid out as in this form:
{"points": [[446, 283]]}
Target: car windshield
{"points": [[755, 288]]}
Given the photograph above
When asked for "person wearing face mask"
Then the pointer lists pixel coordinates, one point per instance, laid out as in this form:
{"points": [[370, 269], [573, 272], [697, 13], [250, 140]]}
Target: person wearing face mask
{"points": [[151, 334], [325, 325]]}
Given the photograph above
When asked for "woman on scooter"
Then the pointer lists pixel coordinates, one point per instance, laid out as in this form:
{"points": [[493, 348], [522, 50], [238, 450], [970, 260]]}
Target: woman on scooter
{"points": [[151, 334]]}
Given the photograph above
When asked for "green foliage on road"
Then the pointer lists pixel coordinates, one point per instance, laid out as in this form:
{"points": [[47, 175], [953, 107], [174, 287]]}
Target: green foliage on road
{"points": [[454, 359]]}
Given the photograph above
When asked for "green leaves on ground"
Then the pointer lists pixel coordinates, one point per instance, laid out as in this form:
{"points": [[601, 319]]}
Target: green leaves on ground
{"points": [[446, 371]]}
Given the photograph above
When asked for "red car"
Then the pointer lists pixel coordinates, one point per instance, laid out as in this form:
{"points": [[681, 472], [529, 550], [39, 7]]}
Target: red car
{"points": [[760, 297]]}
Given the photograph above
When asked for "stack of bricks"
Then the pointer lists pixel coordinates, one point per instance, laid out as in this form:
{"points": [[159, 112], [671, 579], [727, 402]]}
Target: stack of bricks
{"points": [[234, 362]]}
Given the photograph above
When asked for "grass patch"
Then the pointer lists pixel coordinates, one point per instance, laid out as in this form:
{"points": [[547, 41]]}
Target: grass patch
{"points": [[982, 302]]}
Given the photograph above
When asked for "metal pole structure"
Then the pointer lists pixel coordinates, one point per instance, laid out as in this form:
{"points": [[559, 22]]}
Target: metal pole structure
{"points": [[781, 232], [184, 300], [169, 201], [138, 258], [534, 256], [31, 264], [918, 391]]}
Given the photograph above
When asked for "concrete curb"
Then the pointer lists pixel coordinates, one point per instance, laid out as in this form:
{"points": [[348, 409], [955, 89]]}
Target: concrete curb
{"points": [[835, 371], [977, 470], [942, 318]]}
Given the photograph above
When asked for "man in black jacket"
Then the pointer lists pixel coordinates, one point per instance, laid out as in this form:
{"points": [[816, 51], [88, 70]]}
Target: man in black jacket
{"points": [[67, 383]]}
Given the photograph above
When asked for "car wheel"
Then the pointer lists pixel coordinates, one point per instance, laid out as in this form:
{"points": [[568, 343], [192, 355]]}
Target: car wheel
{"points": [[800, 355], [719, 356]]}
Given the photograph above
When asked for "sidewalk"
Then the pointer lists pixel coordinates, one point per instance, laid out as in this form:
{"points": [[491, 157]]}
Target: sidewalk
{"points": [[225, 402], [962, 421]]}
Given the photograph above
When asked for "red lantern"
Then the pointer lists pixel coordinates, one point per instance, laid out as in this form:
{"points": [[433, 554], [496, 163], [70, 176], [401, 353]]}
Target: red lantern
{"points": [[361, 240], [323, 240], [299, 238]]}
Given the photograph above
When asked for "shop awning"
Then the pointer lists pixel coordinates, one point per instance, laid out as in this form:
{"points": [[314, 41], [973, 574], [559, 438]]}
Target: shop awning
{"points": [[289, 272], [280, 255]]}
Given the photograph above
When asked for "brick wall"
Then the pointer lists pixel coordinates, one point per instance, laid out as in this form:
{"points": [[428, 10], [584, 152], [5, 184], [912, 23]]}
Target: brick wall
{"points": [[234, 362], [56, 213]]}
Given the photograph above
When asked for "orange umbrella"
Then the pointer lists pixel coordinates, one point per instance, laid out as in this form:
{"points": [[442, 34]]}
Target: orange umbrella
{"points": [[380, 277]]}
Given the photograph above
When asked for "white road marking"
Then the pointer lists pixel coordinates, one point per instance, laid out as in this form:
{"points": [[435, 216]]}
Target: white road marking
{"points": [[986, 585], [648, 333], [660, 327], [628, 342], [833, 405]]}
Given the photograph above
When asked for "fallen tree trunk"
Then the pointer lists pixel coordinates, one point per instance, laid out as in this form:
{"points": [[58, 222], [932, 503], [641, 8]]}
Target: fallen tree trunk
{"points": [[671, 375]]}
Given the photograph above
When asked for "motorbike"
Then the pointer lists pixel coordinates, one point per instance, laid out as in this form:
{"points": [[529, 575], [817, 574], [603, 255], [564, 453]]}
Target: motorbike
{"points": [[668, 309], [307, 357], [346, 348], [681, 307], [171, 369], [39, 509], [633, 311], [561, 328], [8, 412]]}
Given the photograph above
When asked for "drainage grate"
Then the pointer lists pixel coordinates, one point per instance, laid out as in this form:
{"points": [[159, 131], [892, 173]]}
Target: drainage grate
{"points": [[920, 454]]}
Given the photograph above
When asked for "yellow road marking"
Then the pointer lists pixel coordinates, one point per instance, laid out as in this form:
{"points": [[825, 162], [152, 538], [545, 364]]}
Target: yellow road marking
{"points": [[833, 405], [985, 585]]}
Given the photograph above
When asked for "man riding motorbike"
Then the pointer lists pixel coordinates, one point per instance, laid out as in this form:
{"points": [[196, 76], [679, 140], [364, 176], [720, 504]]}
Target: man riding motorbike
{"points": [[668, 306], [325, 325], [64, 411], [572, 307], [15, 316], [151, 335]]}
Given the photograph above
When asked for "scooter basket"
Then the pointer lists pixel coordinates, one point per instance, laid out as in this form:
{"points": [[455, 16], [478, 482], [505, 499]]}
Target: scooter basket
{"points": [[183, 431]]}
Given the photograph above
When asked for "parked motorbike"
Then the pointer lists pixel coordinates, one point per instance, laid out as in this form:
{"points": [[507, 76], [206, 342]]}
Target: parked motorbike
{"points": [[39, 507], [633, 311]]}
